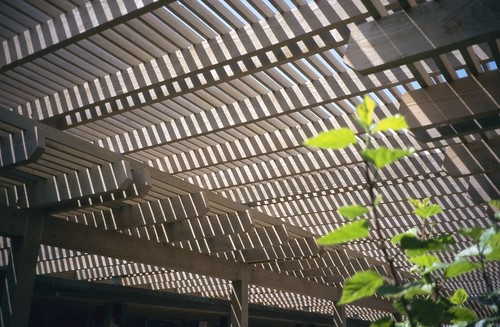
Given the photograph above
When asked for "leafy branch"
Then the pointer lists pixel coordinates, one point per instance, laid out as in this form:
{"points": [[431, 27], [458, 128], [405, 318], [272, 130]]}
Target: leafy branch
{"points": [[420, 301]]}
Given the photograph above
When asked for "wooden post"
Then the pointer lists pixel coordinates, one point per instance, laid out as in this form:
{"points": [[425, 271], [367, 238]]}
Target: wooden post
{"points": [[339, 316], [20, 276], [239, 299]]}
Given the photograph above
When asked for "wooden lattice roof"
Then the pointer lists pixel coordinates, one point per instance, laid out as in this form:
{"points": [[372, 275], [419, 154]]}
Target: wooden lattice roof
{"points": [[174, 131]]}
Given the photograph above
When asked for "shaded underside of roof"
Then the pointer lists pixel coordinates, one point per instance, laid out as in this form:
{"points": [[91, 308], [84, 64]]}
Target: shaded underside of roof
{"points": [[178, 125]]}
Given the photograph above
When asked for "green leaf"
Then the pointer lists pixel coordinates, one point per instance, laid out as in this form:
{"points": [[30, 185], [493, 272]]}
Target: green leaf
{"points": [[497, 215], [362, 284], [459, 297], [427, 211], [495, 203], [426, 260], [348, 232], [383, 322], [364, 112], [458, 268], [416, 247], [352, 212], [462, 314], [473, 233], [397, 238], [383, 156], [334, 139], [427, 312], [494, 247], [378, 199], [395, 123], [493, 255]]}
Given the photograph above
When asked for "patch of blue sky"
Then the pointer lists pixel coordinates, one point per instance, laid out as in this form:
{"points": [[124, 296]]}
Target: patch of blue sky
{"points": [[461, 73], [234, 12], [253, 10], [270, 6], [492, 65]]}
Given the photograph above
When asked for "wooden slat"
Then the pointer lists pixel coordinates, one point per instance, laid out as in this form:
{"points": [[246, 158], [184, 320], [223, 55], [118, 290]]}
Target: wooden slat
{"points": [[21, 148], [477, 157], [68, 28], [448, 110], [435, 27]]}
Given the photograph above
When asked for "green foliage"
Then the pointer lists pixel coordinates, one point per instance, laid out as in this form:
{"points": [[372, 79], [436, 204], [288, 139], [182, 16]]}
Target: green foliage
{"points": [[362, 284], [459, 297], [383, 156], [474, 233], [424, 209], [383, 322], [351, 212], [495, 203], [461, 314], [419, 300], [334, 139], [413, 232], [352, 231], [425, 260], [427, 312], [395, 123], [427, 211], [364, 113], [460, 267], [415, 246]]}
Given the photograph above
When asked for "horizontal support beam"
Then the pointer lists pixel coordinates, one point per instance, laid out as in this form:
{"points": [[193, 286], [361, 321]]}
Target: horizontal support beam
{"points": [[196, 228], [161, 211], [425, 31], [60, 233], [21, 148], [463, 106], [295, 248], [473, 158]]}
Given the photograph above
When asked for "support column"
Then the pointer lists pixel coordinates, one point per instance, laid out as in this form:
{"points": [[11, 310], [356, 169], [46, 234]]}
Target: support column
{"points": [[239, 299], [339, 316], [20, 275]]}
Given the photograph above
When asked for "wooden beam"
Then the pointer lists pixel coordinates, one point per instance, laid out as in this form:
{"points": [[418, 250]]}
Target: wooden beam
{"points": [[20, 275], [485, 187], [197, 228], [460, 107], [57, 232], [21, 148], [167, 210], [70, 27], [295, 248], [76, 185], [239, 299], [425, 31], [473, 158]]}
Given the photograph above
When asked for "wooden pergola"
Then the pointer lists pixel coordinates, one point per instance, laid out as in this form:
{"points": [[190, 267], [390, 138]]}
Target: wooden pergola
{"points": [[158, 144]]}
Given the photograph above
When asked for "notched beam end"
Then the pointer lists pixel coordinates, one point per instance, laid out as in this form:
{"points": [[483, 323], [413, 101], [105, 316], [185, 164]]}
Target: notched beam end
{"points": [[21, 148]]}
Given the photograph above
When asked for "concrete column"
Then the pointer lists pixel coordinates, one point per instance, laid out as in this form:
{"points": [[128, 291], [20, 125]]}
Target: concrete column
{"points": [[20, 275], [239, 299]]}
